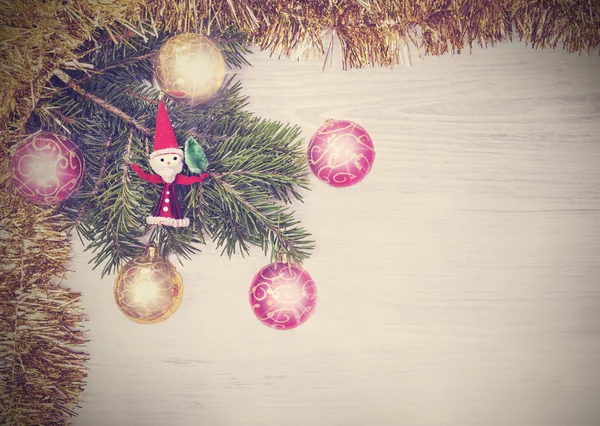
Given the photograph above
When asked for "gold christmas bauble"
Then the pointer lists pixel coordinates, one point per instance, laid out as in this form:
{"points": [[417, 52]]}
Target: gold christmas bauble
{"points": [[191, 67], [148, 289]]}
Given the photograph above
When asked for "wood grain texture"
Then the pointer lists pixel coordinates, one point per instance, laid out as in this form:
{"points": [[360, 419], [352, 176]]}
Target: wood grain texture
{"points": [[459, 283]]}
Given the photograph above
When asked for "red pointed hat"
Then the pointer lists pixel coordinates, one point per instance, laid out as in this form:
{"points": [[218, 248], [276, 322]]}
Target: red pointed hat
{"points": [[164, 136]]}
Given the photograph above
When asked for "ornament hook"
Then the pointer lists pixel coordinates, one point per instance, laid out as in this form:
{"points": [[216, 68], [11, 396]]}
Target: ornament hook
{"points": [[152, 250]]}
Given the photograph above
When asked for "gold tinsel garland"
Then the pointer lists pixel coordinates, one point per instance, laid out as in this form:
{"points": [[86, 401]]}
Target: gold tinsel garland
{"points": [[41, 358], [42, 364], [38, 35]]}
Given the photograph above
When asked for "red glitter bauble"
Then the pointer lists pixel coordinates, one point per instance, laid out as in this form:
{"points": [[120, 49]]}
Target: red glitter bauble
{"points": [[341, 153], [283, 296], [47, 168]]}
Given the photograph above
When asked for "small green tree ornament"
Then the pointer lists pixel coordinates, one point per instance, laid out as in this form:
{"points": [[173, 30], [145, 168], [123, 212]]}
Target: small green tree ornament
{"points": [[195, 158]]}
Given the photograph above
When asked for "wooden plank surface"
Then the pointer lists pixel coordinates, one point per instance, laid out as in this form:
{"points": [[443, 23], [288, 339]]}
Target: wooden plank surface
{"points": [[459, 283]]}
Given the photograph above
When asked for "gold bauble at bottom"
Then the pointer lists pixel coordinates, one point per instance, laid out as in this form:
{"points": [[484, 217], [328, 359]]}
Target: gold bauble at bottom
{"points": [[148, 289]]}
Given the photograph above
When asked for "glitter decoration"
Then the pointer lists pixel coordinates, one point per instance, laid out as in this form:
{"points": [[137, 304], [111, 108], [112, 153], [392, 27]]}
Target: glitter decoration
{"points": [[44, 336], [190, 67], [341, 153], [148, 289], [47, 168], [283, 296]]}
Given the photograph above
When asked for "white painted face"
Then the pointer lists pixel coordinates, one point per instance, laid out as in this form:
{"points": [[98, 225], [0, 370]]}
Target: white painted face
{"points": [[167, 166]]}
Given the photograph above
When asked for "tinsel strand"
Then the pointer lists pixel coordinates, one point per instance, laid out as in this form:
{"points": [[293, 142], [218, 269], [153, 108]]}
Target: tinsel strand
{"points": [[42, 361]]}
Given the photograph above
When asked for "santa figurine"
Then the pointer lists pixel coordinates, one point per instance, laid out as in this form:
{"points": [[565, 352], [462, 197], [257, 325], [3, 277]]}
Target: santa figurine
{"points": [[167, 162]]}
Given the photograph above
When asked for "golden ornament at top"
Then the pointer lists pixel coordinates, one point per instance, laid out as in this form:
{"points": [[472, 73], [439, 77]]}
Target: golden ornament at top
{"points": [[148, 289], [191, 67]]}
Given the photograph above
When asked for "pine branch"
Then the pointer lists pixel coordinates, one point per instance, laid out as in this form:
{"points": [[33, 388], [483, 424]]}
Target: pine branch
{"points": [[267, 154], [98, 183], [104, 104], [257, 165], [120, 226], [172, 240], [232, 43], [263, 223]]}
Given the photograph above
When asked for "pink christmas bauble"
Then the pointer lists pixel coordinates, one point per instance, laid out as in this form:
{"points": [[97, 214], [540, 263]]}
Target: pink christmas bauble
{"points": [[47, 168], [282, 296], [341, 153]]}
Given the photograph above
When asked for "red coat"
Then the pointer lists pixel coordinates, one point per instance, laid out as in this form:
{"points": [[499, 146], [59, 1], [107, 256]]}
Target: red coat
{"points": [[168, 212]]}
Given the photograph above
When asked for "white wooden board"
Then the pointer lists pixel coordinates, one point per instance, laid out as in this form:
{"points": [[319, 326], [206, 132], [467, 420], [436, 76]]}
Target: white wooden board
{"points": [[459, 283]]}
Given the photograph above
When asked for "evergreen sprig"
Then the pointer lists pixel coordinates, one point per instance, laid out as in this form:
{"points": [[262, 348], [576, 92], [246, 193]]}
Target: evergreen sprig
{"points": [[260, 164], [107, 105]]}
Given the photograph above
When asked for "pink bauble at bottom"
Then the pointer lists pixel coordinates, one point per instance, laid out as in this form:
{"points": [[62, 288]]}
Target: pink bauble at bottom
{"points": [[341, 153], [47, 168], [283, 296]]}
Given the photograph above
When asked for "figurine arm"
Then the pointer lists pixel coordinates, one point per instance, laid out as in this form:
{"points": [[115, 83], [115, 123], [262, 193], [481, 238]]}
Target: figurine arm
{"points": [[146, 176], [188, 180]]}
